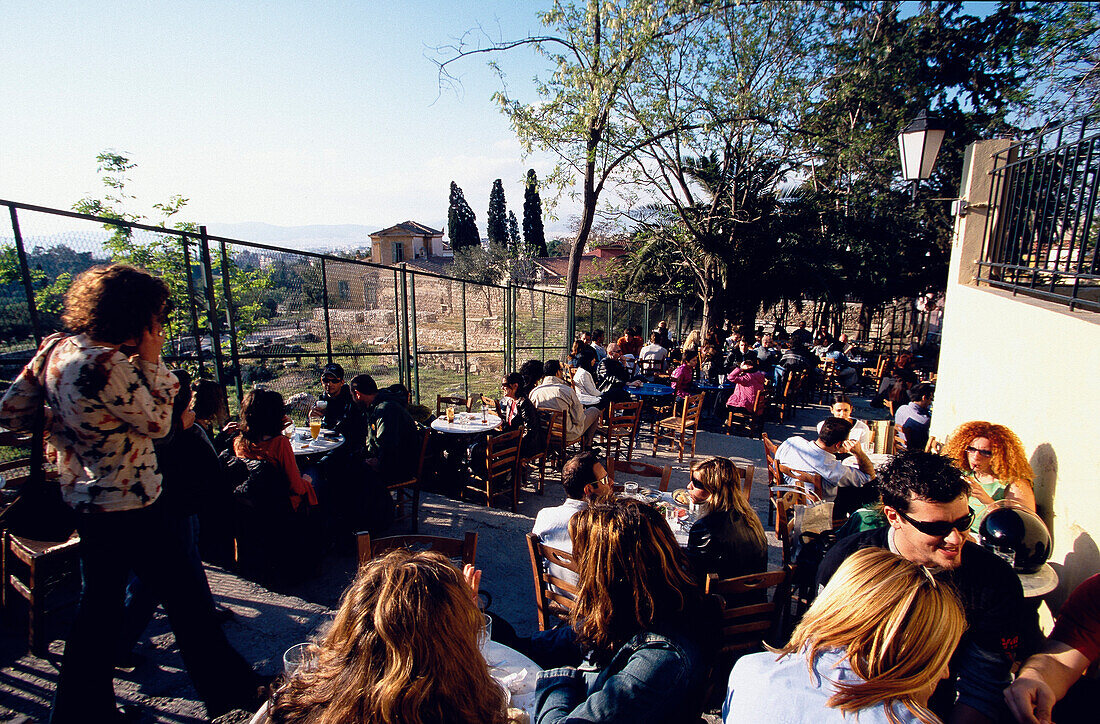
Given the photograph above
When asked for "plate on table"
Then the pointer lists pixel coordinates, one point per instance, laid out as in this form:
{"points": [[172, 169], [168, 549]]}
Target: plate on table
{"points": [[682, 497], [329, 434], [646, 495]]}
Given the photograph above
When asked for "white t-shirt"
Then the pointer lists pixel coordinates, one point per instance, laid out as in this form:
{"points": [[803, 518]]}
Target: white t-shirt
{"points": [[653, 351], [802, 454], [860, 433]]}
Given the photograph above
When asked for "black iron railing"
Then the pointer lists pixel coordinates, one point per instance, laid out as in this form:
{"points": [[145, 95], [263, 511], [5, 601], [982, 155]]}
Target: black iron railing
{"points": [[1041, 233]]}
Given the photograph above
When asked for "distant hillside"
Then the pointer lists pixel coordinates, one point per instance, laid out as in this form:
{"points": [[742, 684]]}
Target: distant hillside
{"points": [[315, 236]]}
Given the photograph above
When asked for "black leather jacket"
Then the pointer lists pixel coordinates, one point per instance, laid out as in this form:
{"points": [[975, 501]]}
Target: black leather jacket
{"points": [[722, 542], [611, 374]]}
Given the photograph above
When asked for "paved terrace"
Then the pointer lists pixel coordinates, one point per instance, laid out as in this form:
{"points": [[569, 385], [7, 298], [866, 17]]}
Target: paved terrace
{"points": [[268, 622]]}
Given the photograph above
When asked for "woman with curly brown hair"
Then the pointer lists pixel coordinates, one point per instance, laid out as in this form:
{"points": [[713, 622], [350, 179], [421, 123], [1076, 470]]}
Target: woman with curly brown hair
{"points": [[111, 396], [640, 619], [994, 464], [403, 649], [728, 539]]}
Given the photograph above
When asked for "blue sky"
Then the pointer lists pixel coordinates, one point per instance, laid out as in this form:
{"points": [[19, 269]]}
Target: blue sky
{"points": [[283, 112]]}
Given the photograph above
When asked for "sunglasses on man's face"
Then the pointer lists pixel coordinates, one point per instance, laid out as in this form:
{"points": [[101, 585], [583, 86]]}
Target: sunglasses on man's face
{"points": [[940, 528], [983, 453]]}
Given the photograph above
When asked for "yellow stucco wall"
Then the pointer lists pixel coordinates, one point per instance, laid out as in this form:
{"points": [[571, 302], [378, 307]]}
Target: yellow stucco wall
{"points": [[1035, 367]]}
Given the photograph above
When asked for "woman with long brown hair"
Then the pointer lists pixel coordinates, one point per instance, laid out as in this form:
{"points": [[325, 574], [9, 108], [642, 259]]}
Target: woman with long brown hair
{"points": [[728, 539], [263, 416], [640, 620], [875, 644], [403, 649], [994, 464]]}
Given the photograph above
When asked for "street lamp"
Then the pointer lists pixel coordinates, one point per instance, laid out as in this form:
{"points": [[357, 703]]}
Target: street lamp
{"points": [[920, 144]]}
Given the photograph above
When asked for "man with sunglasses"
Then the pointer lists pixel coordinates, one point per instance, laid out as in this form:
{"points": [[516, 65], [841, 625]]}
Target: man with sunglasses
{"points": [[925, 505], [584, 479]]}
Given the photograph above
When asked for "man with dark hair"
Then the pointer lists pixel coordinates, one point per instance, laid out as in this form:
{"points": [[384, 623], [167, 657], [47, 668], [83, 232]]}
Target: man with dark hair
{"points": [[597, 343], [584, 479], [612, 377], [801, 337], [924, 501], [914, 419], [819, 456], [391, 433], [654, 350]]}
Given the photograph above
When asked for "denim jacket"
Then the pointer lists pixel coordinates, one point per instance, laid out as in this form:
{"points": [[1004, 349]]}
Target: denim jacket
{"points": [[653, 677]]}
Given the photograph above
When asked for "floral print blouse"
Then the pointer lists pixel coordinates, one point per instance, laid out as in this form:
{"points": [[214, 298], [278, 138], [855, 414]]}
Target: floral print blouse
{"points": [[106, 411]]}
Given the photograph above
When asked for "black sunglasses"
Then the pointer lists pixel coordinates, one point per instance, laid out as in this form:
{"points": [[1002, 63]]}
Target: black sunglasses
{"points": [[940, 528], [983, 453]]}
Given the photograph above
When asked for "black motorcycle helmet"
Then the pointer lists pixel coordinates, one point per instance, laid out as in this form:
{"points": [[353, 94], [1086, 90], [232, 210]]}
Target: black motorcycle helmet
{"points": [[1016, 534]]}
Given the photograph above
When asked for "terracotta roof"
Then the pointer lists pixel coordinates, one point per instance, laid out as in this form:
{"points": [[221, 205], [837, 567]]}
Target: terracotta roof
{"points": [[556, 267], [408, 227]]}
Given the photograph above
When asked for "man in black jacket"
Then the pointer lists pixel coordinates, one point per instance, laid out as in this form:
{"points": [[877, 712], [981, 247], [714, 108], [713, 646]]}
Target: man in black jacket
{"points": [[612, 377], [925, 503]]}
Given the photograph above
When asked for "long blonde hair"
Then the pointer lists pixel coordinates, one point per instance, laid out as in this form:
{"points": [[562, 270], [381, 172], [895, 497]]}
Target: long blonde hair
{"points": [[401, 650], [721, 480], [896, 625], [1009, 461], [632, 574]]}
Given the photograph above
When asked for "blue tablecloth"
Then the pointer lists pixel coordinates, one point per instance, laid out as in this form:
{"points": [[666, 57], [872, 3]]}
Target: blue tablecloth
{"points": [[650, 389]]}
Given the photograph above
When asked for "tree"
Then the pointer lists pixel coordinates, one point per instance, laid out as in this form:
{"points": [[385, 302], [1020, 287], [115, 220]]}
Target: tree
{"points": [[484, 267], [513, 237], [595, 47], [162, 254], [461, 222], [534, 234], [496, 223]]}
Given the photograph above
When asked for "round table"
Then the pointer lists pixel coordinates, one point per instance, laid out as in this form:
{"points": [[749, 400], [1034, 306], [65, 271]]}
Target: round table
{"points": [[708, 387], [1040, 583], [649, 389], [303, 444], [652, 496], [506, 662], [466, 423]]}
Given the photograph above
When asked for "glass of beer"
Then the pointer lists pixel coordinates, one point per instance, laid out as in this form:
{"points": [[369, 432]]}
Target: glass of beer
{"points": [[450, 414], [314, 427]]}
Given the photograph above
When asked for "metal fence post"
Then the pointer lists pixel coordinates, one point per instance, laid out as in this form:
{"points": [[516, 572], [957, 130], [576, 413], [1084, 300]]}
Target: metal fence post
{"points": [[645, 321], [228, 293], [680, 321], [25, 272], [212, 309], [407, 361], [465, 347], [414, 344], [610, 320], [324, 301], [398, 322], [195, 333]]}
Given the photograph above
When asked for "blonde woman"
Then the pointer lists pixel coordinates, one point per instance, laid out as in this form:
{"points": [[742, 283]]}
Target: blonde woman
{"points": [[402, 648], [994, 465], [874, 644], [728, 539]]}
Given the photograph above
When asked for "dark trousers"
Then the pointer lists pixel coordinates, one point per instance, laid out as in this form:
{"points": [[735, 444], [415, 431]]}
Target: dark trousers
{"points": [[141, 604], [152, 544]]}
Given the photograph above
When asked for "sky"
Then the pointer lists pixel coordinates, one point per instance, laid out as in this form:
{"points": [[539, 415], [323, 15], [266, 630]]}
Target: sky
{"points": [[289, 113]]}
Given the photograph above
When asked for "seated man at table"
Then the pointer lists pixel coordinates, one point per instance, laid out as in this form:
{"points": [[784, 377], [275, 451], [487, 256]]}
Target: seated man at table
{"points": [[584, 479], [924, 500], [819, 456], [392, 444], [597, 343], [612, 377], [914, 419], [336, 397], [654, 350], [1046, 678], [554, 393]]}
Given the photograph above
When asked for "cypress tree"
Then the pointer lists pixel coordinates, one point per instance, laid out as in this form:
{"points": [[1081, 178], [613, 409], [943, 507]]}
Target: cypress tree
{"points": [[513, 233], [461, 222], [496, 224], [534, 236]]}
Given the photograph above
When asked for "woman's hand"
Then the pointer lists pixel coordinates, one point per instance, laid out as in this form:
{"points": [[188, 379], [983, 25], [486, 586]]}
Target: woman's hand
{"points": [[232, 428], [152, 342], [473, 580], [977, 491]]}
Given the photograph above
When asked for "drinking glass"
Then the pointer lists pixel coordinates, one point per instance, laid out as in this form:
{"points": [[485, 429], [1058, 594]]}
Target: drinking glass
{"points": [[485, 634], [298, 656], [314, 427], [450, 414]]}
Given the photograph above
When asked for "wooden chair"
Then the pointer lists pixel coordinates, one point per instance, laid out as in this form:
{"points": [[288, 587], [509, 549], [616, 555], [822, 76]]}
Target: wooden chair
{"points": [[408, 491], [622, 424], [774, 477], [464, 548], [787, 399], [747, 473], [546, 418], [678, 427], [650, 366], [748, 618], [501, 469], [442, 402], [751, 422], [557, 440], [641, 470], [872, 376], [554, 596], [46, 574], [882, 437], [899, 441], [567, 372], [933, 446]]}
